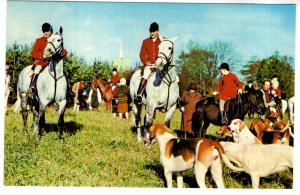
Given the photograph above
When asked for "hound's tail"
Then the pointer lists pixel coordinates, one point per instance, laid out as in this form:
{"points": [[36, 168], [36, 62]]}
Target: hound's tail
{"points": [[225, 158]]}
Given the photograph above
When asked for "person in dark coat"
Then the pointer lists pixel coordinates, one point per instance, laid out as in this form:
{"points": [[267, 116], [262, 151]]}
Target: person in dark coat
{"points": [[190, 97]]}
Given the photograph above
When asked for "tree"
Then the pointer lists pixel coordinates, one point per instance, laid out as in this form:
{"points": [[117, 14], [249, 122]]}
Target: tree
{"points": [[258, 70], [224, 52], [200, 63], [17, 58]]}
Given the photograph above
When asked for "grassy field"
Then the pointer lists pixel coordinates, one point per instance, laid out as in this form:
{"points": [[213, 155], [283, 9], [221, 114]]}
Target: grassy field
{"points": [[98, 151]]}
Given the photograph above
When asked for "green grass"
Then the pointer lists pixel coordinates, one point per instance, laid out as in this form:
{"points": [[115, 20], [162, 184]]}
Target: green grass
{"points": [[98, 151]]}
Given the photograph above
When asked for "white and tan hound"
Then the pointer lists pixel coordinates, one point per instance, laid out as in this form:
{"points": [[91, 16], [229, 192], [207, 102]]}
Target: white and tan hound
{"points": [[241, 133], [178, 155]]}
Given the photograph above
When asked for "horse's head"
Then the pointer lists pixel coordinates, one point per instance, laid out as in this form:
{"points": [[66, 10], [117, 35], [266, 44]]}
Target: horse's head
{"points": [[256, 101], [55, 44], [165, 52]]}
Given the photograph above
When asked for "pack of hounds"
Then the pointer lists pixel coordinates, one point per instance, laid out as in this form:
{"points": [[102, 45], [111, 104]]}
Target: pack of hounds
{"points": [[261, 150]]}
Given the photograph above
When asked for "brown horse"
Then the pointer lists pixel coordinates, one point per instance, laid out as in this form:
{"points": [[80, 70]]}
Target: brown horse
{"points": [[105, 91]]}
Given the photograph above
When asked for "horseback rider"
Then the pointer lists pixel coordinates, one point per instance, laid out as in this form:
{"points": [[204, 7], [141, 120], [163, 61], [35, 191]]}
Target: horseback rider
{"points": [[115, 80], [40, 60], [148, 55], [226, 89]]}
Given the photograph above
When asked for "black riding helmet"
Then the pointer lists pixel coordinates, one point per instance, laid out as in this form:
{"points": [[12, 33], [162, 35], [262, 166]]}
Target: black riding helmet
{"points": [[46, 27], [154, 27], [224, 66]]}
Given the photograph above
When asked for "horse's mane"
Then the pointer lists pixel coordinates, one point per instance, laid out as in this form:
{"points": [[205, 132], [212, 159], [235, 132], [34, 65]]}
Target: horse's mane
{"points": [[100, 81]]}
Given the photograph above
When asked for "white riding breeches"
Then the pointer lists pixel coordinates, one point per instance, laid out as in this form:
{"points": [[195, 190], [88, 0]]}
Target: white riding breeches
{"points": [[147, 72], [37, 69]]}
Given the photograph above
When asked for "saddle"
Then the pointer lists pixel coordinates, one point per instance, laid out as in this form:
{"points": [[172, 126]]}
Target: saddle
{"points": [[159, 75], [226, 105]]}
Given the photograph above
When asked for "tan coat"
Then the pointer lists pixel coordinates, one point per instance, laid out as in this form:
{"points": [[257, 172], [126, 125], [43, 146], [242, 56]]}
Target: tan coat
{"points": [[75, 90]]}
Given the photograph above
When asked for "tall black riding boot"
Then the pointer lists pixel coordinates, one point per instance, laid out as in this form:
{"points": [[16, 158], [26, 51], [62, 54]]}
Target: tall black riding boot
{"points": [[70, 93], [141, 89], [31, 89], [224, 118]]}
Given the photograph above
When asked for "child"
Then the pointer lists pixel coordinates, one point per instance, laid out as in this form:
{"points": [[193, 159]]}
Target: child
{"points": [[276, 93], [227, 88]]}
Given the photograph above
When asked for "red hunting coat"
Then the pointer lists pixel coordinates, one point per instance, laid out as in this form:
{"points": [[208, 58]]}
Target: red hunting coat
{"points": [[149, 50], [38, 50], [115, 79], [228, 86]]}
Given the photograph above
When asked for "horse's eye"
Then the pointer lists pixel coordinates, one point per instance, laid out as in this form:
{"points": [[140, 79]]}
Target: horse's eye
{"points": [[170, 48], [58, 40]]}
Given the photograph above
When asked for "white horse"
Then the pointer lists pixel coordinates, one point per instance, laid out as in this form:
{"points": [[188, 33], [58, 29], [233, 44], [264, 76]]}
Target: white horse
{"points": [[291, 105], [163, 96], [51, 86]]}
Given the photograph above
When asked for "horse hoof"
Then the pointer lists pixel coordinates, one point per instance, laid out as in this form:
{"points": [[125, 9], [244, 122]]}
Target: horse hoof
{"points": [[140, 140]]}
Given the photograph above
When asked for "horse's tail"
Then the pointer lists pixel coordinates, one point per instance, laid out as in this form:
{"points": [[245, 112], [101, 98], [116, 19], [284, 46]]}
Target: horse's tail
{"points": [[17, 105]]}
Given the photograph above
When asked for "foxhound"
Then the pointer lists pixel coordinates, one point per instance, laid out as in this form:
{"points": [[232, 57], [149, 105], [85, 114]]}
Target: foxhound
{"points": [[260, 160], [241, 133], [178, 155]]}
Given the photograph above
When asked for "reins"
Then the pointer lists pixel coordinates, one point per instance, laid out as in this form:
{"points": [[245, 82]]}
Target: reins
{"points": [[167, 78], [54, 62]]}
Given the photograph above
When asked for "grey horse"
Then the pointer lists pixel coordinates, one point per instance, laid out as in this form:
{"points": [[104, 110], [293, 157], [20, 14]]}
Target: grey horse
{"points": [[51, 86], [163, 96]]}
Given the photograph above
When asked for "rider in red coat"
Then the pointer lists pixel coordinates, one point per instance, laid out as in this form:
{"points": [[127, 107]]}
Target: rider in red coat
{"points": [[148, 55], [38, 55], [115, 80], [227, 88]]}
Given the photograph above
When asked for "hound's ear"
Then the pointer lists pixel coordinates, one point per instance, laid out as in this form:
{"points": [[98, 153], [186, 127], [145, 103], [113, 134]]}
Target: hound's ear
{"points": [[242, 125], [60, 30], [152, 131], [173, 39]]}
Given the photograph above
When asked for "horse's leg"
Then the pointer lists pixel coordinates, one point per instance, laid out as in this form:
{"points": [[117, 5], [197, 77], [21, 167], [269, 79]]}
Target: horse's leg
{"points": [[61, 112], [148, 121], [204, 128], [169, 115], [136, 120], [38, 113], [23, 98]]}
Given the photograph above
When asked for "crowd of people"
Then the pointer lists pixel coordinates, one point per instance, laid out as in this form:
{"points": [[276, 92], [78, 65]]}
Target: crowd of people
{"points": [[91, 99]]}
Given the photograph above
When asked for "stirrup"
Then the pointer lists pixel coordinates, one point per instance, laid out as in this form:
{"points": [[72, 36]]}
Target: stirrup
{"points": [[138, 99], [31, 92], [224, 121]]}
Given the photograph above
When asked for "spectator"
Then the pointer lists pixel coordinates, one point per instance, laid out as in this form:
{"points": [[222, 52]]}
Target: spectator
{"points": [[122, 96], [75, 90], [82, 96], [190, 97], [94, 98], [275, 96], [7, 87], [266, 89]]}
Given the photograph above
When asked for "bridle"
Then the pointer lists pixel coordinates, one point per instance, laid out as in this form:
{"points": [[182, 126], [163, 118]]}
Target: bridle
{"points": [[166, 67], [59, 48], [163, 56], [56, 53]]}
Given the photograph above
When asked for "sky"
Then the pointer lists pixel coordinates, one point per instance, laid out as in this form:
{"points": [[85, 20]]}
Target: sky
{"points": [[97, 29]]}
